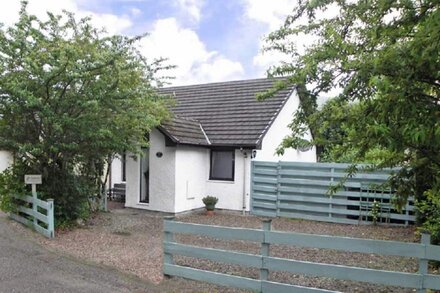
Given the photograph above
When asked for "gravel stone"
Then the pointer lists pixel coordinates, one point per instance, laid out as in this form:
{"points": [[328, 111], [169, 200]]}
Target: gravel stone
{"points": [[131, 241]]}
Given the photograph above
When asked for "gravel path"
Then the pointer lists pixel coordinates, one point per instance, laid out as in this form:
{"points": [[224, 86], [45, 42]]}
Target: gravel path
{"points": [[131, 241]]}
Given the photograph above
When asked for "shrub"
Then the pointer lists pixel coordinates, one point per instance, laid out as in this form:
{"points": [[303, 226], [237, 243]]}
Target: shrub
{"points": [[210, 202], [429, 209]]}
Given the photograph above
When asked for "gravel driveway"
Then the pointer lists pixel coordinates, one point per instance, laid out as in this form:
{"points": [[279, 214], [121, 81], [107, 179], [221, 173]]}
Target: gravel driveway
{"points": [[131, 241]]}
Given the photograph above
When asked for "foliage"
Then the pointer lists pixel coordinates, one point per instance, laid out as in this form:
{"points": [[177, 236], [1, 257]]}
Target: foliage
{"points": [[375, 211], [70, 99], [210, 201], [430, 208], [384, 56], [10, 185]]}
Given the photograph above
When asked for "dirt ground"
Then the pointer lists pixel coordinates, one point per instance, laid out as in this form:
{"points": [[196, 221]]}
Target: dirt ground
{"points": [[131, 241]]}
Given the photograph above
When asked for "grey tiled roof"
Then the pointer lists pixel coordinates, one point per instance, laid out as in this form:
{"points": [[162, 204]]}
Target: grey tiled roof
{"points": [[184, 131], [228, 112]]}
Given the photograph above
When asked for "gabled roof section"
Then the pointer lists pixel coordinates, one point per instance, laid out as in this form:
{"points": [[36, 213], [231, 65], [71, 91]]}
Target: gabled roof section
{"points": [[184, 131], [228, 112]]}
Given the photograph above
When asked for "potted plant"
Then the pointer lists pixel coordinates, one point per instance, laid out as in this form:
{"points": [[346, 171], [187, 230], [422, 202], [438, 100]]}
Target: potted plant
{"points": [[210, 202]]}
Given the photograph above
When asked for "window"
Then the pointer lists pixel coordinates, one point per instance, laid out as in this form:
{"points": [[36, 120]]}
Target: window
{"points": [[222, 165], [145, 176], [124, 168]]}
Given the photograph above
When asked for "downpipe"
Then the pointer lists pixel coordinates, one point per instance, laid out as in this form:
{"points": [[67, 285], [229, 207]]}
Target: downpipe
{"points": [[245, 155]]}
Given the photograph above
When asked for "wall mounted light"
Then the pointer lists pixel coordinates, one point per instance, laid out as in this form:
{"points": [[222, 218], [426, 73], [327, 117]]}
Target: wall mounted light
{"points": [[159, 154]]}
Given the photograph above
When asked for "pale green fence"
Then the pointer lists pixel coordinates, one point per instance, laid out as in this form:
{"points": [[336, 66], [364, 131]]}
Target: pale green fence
{"points": [[420, 280], [37, 214], [299, 190]]}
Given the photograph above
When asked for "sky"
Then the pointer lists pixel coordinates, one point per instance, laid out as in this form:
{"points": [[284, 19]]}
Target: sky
{"points": [[208, 40]]}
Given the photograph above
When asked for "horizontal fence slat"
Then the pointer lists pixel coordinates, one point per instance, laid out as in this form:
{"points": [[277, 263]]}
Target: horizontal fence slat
{"points": [[338, 208], [316, 182], [265, 172], [21, 219], [336, 166], [357, 176], [389, 278], [432, 282], [433, 252], [32, 213], [324, 210], [230, 233], [212, 277], [360, 245], [43, 231], [317, 218], [265, 188], [265, 205], [249, 260], [265, 180], [263, 213], [267, 197], [268, 286], [29, 199]]}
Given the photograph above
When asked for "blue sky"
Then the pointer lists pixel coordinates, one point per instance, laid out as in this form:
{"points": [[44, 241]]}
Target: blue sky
{"points": [[209, 40]]}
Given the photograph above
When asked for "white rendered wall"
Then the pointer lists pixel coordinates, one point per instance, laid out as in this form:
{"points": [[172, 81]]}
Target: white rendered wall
{"points": [[277, 131], [116, 171], [230, 193], [162, 177], [6, 160], [192, 167]]}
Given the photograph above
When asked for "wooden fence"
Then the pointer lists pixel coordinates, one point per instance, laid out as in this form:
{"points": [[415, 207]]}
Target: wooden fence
{"points": [[36, 213], [300, 190], [421, 280]]}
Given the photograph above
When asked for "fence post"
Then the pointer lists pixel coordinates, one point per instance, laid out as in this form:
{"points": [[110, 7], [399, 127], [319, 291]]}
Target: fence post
{"points": [[34, 204], [51, 218], [330, 206], [423, 262], [265, 246], [168, 237], [277, 211]]}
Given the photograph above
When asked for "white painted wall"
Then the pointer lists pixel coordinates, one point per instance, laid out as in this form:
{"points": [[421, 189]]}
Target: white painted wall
{"points": [[279, 130], [162, 177], [116, 171], [192, 180], [6, 160], [192, 167], [230, 194]]}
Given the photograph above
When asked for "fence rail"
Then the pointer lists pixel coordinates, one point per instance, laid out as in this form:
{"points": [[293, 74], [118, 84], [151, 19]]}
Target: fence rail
{"points": [[29, 213], [300, 190], [421, 280]]}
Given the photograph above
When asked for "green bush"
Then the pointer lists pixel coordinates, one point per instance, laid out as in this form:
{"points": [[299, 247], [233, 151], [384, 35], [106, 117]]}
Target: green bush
{"points": [[10, 185], [429, 210], [70, 192], [210, 202]]}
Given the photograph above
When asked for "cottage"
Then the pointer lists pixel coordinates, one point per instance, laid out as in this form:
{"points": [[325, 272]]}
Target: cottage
{"points": [[207, 148]]}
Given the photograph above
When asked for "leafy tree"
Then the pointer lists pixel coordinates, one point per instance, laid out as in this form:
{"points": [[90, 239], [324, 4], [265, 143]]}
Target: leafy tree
{"points": [[70, 98], [383, 55]]}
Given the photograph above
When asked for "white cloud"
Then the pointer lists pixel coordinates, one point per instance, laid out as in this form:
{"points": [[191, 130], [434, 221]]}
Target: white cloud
{"points": [[272, 13], [135, 11], [190, 8], [114, 24], [195, 63]]}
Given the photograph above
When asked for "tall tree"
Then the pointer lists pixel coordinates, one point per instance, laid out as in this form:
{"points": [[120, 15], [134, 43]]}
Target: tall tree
{"points": [[70, 98], [383, 55]]}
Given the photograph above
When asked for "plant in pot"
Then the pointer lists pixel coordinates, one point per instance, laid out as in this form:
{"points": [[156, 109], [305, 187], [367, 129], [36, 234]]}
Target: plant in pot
{"points": [[210, 202]]}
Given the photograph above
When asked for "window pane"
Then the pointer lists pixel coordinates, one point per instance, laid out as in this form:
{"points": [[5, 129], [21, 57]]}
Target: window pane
{"points": [[222, 165]]}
